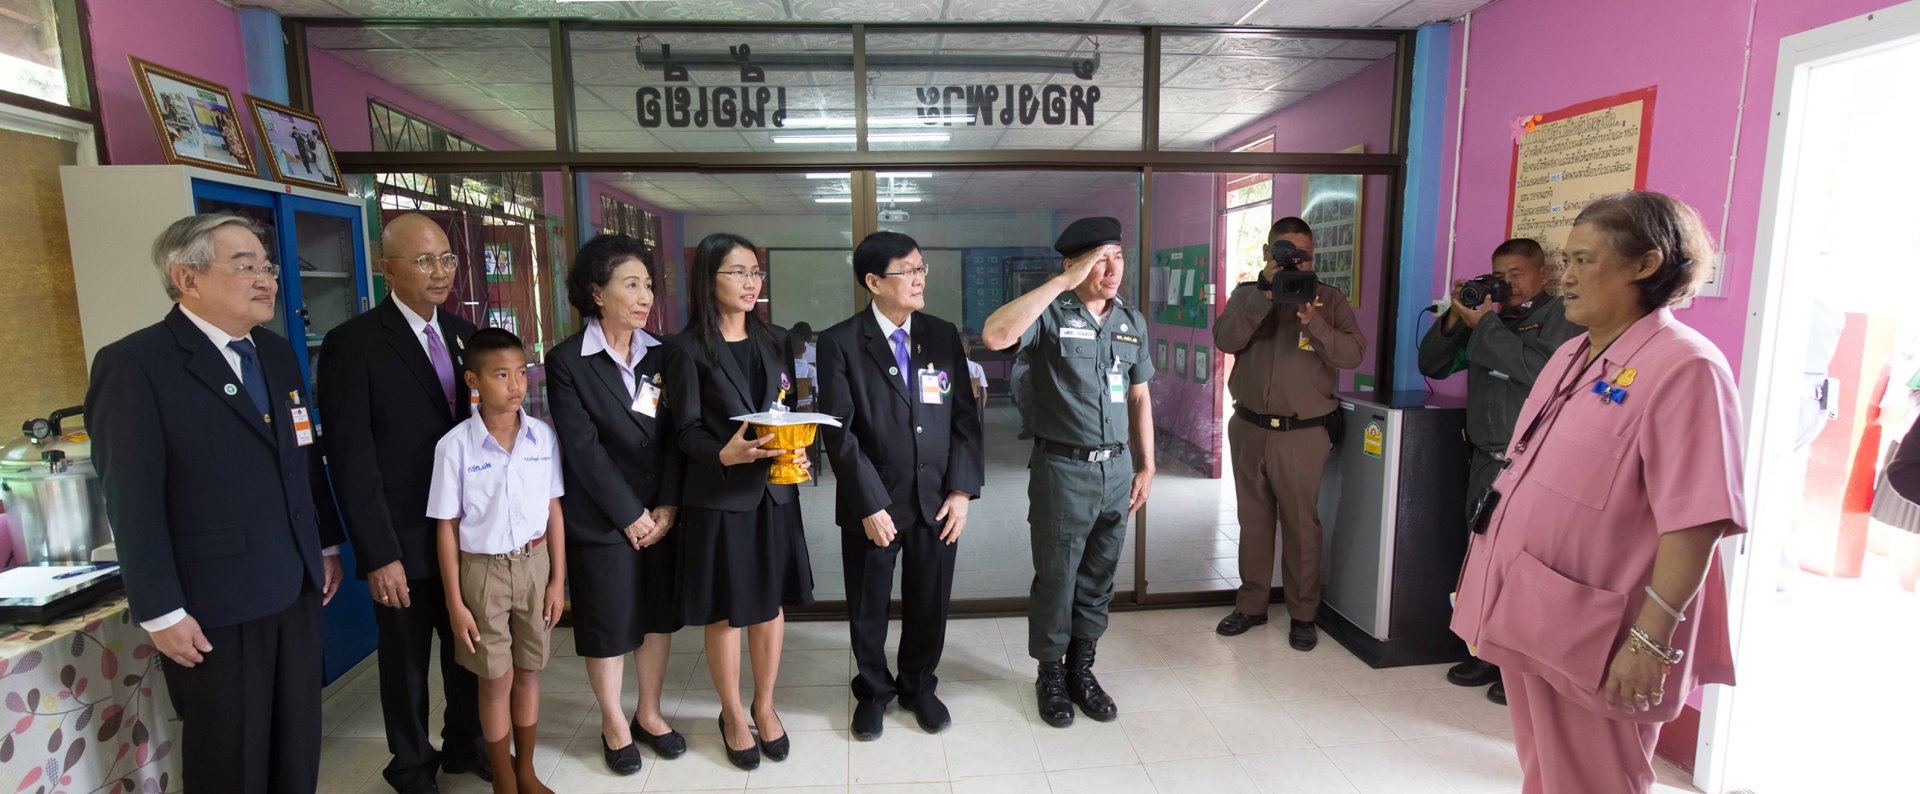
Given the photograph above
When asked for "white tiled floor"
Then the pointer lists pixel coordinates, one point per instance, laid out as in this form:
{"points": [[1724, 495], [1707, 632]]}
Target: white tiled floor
{"points": [[1199, 713]]}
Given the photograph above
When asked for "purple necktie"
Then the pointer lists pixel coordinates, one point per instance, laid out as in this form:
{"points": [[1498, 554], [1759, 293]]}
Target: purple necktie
{"points": [[442, 364], [900, 355]]}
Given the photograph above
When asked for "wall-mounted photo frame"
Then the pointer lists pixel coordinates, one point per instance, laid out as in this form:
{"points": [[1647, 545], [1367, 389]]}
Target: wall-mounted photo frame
{"points": [[1202, 364], [297, 149], [1180, 360], [197, 120], [1160, 355]]}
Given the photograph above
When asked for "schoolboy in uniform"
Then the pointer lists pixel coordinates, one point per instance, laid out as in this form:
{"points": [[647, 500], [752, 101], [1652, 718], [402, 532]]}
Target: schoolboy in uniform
{"points": [[496, 492]]}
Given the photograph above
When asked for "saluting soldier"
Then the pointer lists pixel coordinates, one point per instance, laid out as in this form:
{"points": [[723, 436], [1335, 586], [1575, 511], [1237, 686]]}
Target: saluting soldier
{"points": [[1090, 409]]}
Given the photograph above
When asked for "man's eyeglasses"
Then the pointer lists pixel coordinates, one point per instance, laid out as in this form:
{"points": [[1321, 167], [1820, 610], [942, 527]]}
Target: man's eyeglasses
{"points": [[745, 275], [263, 270], [425, 262], [912, 272]]}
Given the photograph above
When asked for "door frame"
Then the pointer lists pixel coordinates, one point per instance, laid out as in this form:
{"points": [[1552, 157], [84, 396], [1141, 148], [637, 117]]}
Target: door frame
{"points": [[1765, 388]]}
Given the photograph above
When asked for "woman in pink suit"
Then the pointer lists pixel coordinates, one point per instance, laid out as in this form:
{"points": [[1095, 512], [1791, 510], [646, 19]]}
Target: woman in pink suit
{"points": [[1592, 579]]}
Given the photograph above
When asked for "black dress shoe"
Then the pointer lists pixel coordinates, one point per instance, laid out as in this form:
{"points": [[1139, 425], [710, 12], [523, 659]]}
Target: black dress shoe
{"points": [[1237, 623], [869, 720], [1498, 692], [748, 759], [624, 761], [428, 786], [667, 745], [1050, 689], [928, 711], [1082, 688], [1302, 635], [474, 763], [1473, 672], [777, 749]]}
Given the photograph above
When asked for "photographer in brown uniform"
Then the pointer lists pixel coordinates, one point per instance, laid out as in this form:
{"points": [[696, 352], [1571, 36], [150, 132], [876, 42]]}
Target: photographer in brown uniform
{"points": [[1289, 335]]}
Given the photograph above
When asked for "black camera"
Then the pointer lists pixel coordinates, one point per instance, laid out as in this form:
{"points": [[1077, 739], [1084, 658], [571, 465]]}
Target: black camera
{"points": [[1484, 288], [1291, 284]]}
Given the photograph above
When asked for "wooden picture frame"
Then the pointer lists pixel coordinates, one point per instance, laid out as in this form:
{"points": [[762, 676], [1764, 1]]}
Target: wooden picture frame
{"points": [[296, 146], [197, 120]]}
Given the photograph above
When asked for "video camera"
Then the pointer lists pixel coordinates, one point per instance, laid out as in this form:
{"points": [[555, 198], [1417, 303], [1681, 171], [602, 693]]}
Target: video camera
{"points": [[1290, 285], [1484, 288]]}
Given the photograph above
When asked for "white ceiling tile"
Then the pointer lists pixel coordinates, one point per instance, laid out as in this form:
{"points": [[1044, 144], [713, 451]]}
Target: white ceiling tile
{"points": [[866, 10], [1042, 138], [716, 10], [465, 38], [348, 38], [1324, 13], [1111, 139], [1365, 48], [460, 97], [1320, 74], [1021, 10], [1190, 100], [1223, 72], [1287, 46], [400, 67], [524, 96], [504, 66], [599, 121], [1178, 12], [1421, 12], [1265, 102]]}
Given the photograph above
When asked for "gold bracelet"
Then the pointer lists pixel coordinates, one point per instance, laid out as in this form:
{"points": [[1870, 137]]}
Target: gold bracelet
{"points": [[1638, 640]]}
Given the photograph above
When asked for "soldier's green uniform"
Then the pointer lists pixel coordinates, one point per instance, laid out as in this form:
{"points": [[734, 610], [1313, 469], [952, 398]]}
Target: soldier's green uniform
{"points": [[1082, 471]]}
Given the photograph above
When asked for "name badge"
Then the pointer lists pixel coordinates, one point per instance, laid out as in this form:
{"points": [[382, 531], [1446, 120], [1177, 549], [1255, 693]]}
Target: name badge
{"points": [[1305, 343], [934, 387], [647, 402], [1076, 333], [302, 425], [1116, 387]]}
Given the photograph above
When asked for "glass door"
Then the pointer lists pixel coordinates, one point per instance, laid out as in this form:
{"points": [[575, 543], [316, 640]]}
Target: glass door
{"points": [[325, 276]]}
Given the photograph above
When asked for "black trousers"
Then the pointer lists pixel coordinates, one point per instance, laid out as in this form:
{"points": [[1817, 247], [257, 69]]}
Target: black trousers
{"points": [[406, 649], [250, 713], [926, 587]]}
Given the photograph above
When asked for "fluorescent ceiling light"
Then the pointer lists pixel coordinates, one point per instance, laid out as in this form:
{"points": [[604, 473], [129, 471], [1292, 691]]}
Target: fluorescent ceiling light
{"points": [[885, 137], [873, 122], [849, 199], [889, 175], [903, 199]]}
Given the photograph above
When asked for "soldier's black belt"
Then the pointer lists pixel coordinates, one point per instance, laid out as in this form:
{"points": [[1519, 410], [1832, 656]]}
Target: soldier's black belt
{"points": [[1088, 454], [1281, 423]]}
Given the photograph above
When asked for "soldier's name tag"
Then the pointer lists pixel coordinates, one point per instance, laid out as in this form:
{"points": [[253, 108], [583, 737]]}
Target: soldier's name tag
{"points": [[302, 425], [1127, 338], [1528, 327], [647, 402], [1116, 387], [1077, 333]]}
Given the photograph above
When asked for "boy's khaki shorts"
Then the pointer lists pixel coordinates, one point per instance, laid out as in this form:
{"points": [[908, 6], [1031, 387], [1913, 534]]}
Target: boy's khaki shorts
{"points": [[504, 592]]}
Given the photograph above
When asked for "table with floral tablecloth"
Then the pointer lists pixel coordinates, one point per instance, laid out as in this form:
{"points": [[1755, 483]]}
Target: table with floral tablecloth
{"points": [[83, 708]]}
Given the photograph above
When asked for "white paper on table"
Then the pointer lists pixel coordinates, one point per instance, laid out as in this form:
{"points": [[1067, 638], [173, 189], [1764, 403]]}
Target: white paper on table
{"points": [[37, 582], [783, 418]]}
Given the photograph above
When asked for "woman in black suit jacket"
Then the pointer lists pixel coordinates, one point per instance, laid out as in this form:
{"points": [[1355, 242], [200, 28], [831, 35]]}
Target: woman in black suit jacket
{"points": [[623, 474], [743, 552]]}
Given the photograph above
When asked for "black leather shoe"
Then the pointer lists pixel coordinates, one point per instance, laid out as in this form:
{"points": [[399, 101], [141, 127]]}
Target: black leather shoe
{"points": [[1237, 623], [1302, 635], [1498, 692], [928, 711], [777, 749], [748, 759], [667, 745], [428, 786], [624, 761], [1473, 672], [1050, 689], [474, 763], [1082, 687], [869, 720]]}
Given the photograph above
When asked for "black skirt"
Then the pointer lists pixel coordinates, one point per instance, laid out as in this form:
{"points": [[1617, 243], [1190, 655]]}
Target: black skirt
{"points": [[742, 566], [620, 595]]}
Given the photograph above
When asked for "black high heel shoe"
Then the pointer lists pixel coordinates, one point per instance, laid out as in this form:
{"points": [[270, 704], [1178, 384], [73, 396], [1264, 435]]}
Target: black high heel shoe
{"points": [[667, 745], [778, 748], [748, 759]]}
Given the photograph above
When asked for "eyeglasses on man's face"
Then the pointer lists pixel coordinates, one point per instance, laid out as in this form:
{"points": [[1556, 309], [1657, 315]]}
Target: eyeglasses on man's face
{"points": [[249, 268], [745, 275], [915, 273], [427, 263]]}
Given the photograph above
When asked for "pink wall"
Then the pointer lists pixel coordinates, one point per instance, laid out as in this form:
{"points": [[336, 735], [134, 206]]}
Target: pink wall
{"points": [[198, 37], [1692, 52]]}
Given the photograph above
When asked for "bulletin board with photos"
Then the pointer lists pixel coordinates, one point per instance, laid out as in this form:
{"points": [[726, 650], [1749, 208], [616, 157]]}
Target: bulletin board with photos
{"points": [[1333, 205]]}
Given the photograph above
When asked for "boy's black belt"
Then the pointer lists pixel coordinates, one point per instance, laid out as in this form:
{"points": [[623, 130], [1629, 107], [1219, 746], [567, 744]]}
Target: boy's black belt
{"points": [[1088, 454], [1281, 423]]}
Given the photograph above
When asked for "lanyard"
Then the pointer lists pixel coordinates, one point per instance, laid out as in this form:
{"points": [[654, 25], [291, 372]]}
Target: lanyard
{"points": [[1563, 393]]}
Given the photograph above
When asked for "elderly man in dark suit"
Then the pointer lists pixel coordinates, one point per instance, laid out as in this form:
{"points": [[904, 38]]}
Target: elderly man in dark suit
{"points": [[220, 510], [387, 394], [907, 461]]}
